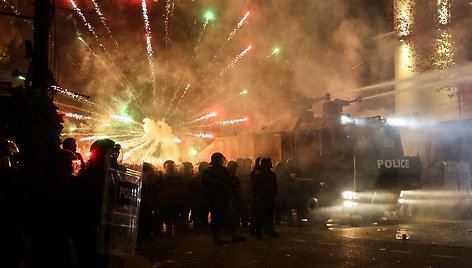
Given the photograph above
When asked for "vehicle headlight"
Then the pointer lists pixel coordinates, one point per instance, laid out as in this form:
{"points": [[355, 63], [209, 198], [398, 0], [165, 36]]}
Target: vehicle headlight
{"points": [[349, 195], [401, 194], [348, 203]]}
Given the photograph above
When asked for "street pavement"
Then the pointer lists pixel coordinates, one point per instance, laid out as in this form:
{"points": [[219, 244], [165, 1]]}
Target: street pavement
{"points": [[340, 243]]}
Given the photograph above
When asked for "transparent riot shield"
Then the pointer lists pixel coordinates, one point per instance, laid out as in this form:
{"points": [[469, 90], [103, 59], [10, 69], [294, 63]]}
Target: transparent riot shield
{"points": [[118, 228]]}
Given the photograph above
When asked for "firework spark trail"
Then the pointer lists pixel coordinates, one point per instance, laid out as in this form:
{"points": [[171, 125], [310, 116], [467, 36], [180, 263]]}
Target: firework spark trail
{"points": [[18, 13], [202, 135], [235, 60], [149, 49], [73, 95], [79, 116], [86, 45], [125, 119], [133, 142], [177, 107], [275, 51], [231, 35], [76, 108], [138, 147], [168, 16], [212, 83], [89, 27], [104, 22], [201, 118], [170, 104], [99, 137], [205, 24], [229, 122], [112, 73]]}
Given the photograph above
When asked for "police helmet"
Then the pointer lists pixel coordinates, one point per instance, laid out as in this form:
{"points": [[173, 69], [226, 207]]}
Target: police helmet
{"points": [[217, 159], [99, 148]]}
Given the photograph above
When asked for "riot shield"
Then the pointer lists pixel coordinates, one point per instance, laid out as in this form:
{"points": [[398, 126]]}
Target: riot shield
{"points": [[118, 230]]}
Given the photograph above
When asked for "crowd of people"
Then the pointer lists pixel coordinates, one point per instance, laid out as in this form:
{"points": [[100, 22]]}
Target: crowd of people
{"points": [[61, 213]]}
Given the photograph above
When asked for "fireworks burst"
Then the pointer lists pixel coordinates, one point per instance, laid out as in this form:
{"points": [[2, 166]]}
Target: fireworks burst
{"points": [[152, 140]]}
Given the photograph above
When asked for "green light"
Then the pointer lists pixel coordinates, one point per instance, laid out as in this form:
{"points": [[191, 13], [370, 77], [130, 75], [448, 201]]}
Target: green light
{"points": [[127, 119], [80, 39], [276, 50], [21, 77], [244, 92], [209, 16]]}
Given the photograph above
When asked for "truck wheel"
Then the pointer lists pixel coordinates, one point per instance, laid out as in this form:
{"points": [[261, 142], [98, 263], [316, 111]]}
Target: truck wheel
{"points": [[315, 212]]}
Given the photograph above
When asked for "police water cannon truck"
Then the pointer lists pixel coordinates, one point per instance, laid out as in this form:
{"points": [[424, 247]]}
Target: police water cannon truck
{"points": [[353, 165]]}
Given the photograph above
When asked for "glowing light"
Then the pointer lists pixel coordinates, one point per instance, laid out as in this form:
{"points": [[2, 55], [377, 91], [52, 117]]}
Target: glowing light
{"points": [[177, 140], [78, 116], [444, 14], [349, 195], [229, 122], [274, 51], [444, 58], [409, 122], [193, 151], [349, 203], [244, 92], [404, 11], [91, 138], [209, 16], [202, 135], [204, 117], [122, 118], [72, 129], [149, 49], [407, 59]]}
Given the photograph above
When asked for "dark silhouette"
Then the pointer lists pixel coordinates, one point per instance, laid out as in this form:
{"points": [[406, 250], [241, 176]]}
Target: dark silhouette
{"points": [[265, 192], [11, 204], [219, 190], [88, 203], [71, 145]]}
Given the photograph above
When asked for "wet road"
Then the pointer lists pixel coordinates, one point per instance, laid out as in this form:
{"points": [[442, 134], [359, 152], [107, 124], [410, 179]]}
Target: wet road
{"points": [[344, 242]]}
